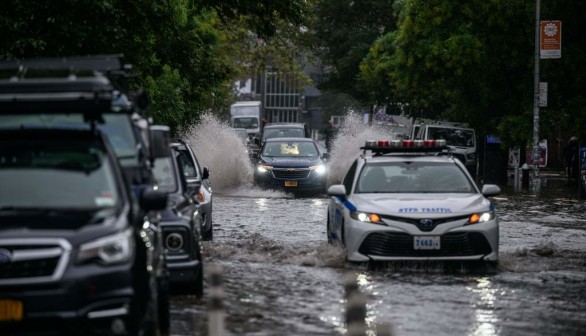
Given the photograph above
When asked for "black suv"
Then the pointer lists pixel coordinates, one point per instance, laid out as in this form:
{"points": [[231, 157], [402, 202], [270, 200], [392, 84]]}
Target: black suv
{"points": [[181, 223], [198, 185], [284, 130], [82, 246]]}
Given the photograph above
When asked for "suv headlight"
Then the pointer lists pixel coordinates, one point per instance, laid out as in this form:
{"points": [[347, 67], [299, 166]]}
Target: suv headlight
{"points": [[366, 217], [481, 217], [319, 169], [263, 168], [112, 249]]}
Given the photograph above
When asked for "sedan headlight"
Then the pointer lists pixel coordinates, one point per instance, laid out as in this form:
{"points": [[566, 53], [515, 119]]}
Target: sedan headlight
{"points": [[320, 169], [112, 249], [366, 217], [263, 168], [481, 217]]}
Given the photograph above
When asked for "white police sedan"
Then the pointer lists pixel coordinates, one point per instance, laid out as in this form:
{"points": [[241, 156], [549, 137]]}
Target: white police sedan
{"points": [[412, 200]]}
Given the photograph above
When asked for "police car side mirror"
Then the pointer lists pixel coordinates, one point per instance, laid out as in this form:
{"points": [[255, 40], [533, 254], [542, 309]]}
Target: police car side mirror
{"points": [[490, 190], [337, 190]]}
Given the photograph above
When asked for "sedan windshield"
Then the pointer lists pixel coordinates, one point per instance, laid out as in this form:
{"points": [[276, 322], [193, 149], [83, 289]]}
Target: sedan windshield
{"points": [[54, 175], [413, 177], [290, 149]]}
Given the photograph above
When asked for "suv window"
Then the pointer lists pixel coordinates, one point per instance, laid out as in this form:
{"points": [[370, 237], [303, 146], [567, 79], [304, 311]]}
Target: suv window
{"points": [[453, 137], [288, 132], [290, 149], [52, 174], [164, 175], [118, 128], [184, 158]]}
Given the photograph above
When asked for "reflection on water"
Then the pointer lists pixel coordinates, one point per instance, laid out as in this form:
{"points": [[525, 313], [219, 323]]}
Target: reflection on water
{"points": [[486, 320]]}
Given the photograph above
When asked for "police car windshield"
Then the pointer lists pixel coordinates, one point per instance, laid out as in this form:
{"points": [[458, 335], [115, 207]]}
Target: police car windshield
{"points": [[413, 177], [290, 149]]}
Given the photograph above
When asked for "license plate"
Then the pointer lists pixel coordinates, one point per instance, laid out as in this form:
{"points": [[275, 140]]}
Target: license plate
{"points": [[426, 242], [290, 183], [10, 310]]}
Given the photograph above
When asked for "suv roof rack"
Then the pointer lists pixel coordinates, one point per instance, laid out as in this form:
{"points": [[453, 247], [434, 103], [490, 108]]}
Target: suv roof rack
{"points": [[102, 63], [92, 93]]}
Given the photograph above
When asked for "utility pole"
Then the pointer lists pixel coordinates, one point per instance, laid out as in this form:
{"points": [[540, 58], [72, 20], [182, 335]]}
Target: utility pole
{"points": [[536, 154]]}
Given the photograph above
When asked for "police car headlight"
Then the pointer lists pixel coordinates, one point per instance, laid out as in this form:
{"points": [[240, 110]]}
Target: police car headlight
{"points": [[108, 250], [320, 169], [263, 169], [366, 217], [481, 217]]}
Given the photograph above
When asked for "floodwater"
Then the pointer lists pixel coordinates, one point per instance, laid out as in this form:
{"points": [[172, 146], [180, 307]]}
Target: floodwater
{"points": [[282, 278]]}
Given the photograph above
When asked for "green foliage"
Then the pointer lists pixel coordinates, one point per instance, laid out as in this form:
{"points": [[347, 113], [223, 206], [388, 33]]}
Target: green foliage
{"points": [[343, 32], [178, 48], [473, 62]]}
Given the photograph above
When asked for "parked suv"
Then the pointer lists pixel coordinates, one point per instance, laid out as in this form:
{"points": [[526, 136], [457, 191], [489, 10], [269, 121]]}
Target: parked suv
{"points": [[198, 184], [181, 223], [73, 247], [84, 96]]}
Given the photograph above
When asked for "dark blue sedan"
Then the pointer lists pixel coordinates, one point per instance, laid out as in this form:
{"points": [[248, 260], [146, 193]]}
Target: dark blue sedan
{"points": [[291, 164]]}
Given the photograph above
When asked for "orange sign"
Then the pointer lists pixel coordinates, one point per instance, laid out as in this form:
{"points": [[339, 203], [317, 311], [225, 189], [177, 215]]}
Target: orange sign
{"points": [[551, 39]]}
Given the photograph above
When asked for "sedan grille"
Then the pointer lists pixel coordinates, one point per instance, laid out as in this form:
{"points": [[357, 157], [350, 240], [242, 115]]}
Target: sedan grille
{"points": [[291, 173], [398, 244]]}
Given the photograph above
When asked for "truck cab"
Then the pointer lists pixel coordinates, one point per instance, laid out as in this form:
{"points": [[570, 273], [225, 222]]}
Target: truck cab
{"points": [[247, 115], [460, 139]]}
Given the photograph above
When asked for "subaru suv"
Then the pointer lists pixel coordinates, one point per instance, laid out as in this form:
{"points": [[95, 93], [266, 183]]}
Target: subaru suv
{"points": [[74, 250], [68, 118]]}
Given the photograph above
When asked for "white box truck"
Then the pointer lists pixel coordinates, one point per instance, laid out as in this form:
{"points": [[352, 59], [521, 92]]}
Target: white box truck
{"points": [[460, 138], [247, 115]]}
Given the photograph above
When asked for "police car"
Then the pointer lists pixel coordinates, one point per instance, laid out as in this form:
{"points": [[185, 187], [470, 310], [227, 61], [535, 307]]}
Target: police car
{"points": [[412, 200]]}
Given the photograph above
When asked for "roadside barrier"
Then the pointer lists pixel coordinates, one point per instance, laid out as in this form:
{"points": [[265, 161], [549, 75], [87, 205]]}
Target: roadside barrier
{"points": [[216, 301], [356, 310], [355, 307]]}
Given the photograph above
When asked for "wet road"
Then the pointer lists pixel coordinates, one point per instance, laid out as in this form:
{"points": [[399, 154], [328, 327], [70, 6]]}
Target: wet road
{"points": [[281, 277]]}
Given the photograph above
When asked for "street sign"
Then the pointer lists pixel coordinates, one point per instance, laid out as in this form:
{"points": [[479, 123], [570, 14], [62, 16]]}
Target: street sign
{"points": [[551, 39], [542, 94]]}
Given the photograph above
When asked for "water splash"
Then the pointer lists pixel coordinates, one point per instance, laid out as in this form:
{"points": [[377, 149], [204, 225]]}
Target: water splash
{"points": [[219, 148], [346, 147]]}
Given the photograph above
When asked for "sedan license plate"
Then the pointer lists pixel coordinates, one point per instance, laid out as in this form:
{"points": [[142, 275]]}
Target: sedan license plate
{"points": [[426, 242], [10, 310], [290, 183]]}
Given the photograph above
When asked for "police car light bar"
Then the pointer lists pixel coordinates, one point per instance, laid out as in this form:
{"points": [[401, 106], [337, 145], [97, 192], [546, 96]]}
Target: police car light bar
{"points": [[406, 146]]}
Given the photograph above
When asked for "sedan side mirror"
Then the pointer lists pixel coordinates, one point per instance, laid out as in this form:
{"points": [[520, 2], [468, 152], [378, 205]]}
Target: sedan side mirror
{"points": [[325, 156], [205, 174]]}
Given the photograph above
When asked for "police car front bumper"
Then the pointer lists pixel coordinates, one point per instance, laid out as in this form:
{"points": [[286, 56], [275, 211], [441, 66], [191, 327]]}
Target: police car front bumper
{"points": [[397, 241]]}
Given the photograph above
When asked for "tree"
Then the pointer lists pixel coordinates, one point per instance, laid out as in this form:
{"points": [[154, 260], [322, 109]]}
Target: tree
{"points": [[473, 62], [177, 47], [343, 32]]}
